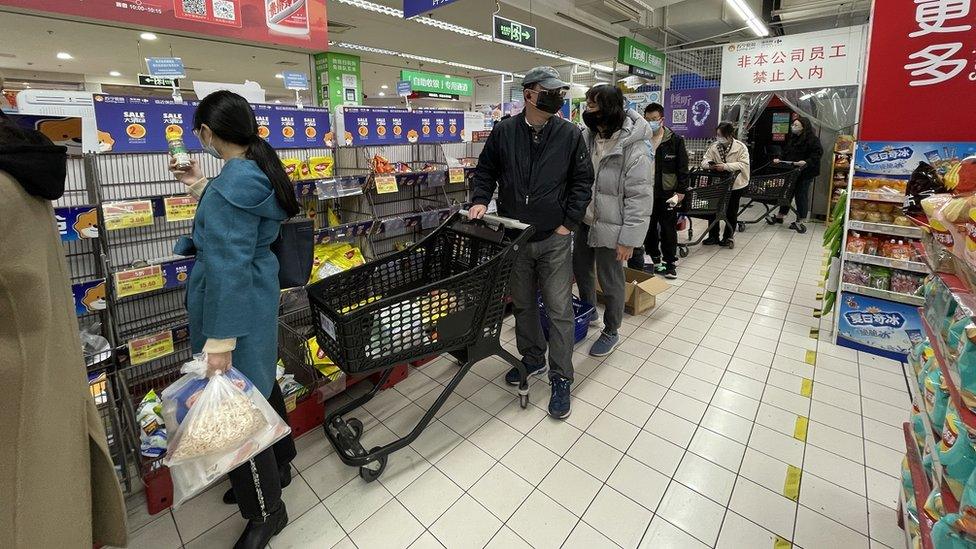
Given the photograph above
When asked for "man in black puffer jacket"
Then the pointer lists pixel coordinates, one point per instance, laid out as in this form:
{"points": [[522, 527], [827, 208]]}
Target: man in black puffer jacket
{"points": [[542, 170]]}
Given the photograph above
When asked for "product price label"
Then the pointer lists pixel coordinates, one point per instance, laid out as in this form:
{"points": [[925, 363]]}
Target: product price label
{"points": [[386, 184], [126, 215], [456, 175], [180, 208], [138, 281], [144, 349]]}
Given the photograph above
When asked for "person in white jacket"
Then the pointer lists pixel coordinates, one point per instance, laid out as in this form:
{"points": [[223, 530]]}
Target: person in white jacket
{"points": [[728, 154]]}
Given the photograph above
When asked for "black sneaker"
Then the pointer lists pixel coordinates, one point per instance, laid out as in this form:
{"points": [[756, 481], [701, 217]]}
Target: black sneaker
{"points": [[711, 241], [774, 220], [670, 272], [559, 403], [728, 242], [512, 377]]}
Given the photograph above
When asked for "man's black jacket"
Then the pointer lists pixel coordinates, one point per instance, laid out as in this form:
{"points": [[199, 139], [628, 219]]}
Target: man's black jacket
{"points": [[545, 188]]}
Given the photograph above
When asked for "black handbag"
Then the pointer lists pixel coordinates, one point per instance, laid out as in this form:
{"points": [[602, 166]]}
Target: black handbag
{"points": [[294, 249]]}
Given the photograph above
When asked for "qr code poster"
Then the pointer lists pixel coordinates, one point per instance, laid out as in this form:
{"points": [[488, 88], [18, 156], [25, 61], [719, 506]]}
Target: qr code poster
{"points": [[221, 12], [679, 116]]}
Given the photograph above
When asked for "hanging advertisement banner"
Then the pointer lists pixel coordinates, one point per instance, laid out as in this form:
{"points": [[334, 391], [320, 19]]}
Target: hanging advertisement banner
{"points": [[339, 79], [692, 114], [633, 53], [897, 160], [397, 126], [810, 60], [878, 326], [438, 83], [296, 23], [921, 56]]}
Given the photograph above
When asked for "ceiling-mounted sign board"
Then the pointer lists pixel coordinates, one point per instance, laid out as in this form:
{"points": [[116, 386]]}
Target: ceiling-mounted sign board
{"points": [[413, 8], [513, 32], [295, 80], [643, 73], [810, 60], [438, 83], [298, 24], [920, 62], [149, 81], [633, 53], [166, 67]]}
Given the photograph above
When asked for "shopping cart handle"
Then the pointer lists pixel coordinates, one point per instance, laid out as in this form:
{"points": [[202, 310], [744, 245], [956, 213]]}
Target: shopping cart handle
{"points": [[509, 223]]}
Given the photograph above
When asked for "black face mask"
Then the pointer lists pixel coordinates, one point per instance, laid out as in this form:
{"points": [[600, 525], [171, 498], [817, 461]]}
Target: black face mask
{"points": [[593, 120], [549, 101]]}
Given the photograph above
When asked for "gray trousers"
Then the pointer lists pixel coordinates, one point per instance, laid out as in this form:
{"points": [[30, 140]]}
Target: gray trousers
{"points": [[610, 273], [547, 266]]}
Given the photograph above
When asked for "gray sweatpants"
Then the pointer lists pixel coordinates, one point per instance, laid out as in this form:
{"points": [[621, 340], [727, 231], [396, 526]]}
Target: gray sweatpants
{"points": [[610, 273], [547, 266]]}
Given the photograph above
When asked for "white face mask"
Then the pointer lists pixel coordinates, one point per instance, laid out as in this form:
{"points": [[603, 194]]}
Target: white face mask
{"points": [[209, 148], [655, 125], [797, 130], [722, 140]]}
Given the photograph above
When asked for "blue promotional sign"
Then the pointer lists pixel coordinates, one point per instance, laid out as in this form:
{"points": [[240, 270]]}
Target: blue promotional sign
{"points": [[170, 67], [412, 8], [140, 124], [295, 80], [89, 296], [391, 126], [897, 160], [177, 273], [878, 326], [404, 88], [77, 222]]}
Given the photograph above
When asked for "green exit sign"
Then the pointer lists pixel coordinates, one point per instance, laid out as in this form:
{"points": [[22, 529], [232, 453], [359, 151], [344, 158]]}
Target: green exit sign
{"points": [[633, 53], [513, 32]]}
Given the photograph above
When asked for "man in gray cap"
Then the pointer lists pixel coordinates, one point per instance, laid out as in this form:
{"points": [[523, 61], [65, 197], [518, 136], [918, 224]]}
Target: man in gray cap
{"points": [[541, 168]]}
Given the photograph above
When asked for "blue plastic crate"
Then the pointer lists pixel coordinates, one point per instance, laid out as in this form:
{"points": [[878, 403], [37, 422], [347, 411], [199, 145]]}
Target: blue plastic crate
{"points": [[581, 318]]}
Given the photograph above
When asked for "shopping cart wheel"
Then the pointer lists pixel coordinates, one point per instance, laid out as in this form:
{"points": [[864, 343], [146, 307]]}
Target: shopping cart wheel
{"points": [[524, 399], [682, 250], [371, 472], [356, 427], [741, 227], [801, 228], [731, 244]]}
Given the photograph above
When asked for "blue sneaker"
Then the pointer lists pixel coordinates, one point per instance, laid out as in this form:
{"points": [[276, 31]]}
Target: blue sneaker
{"points": [[559, 403], [605, 345], [512, 377]]}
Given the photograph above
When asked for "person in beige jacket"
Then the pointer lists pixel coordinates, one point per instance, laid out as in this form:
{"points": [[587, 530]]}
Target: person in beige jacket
{"points": [[728, 154], [58, 486]]}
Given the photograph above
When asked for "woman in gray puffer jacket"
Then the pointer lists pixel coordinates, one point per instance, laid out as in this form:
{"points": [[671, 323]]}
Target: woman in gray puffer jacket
{"points": [[616, 219]]}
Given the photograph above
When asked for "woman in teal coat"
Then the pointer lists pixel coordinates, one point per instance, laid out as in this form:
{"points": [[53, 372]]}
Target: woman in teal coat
{"points": [[232, 296]]}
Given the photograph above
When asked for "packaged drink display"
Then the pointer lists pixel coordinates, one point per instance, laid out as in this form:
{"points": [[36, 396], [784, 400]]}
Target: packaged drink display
{"points": [[177, 148]]}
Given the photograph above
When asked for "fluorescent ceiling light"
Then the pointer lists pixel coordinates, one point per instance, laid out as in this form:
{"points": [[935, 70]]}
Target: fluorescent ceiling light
{"points": [[114, 73], [745, 12], [279, 75], [384, 87], [148, 36], [277, 101], [64, 56], [422, 58], [458, 29], [381, 94]]}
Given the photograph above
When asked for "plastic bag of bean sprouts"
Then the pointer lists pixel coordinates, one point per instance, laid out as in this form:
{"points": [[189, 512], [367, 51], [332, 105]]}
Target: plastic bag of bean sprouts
{"points": [[218, 423]]}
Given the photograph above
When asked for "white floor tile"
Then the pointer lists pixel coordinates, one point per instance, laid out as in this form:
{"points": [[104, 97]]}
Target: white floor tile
{"points": [[670, 427], [391, 527], [815, 530], [593, 456], [834, 468], [692, 512], [558, 436], [542, 522], [613, 431], [717, 449], [161, 533], [656, 452], [530, 460], [683, 406], [706, 478], [495, 438], [501, 491], [465, 524], [630, 409], [585, 537], [429, 496], [741, 533], [618, 518], [317, 527], [507, 539], [571, 487], [837, 503], [836, 441], [764, 507], [425, 541], [739, 405]]}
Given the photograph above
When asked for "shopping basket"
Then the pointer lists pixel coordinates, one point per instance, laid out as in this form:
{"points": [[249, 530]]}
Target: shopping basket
{"points": [[707, 198], [445, 294], [772, 186], [582, 313]]}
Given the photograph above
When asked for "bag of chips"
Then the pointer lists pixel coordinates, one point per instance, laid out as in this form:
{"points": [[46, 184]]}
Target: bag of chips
{"points": [[924, 182], [218, 423], [965, 364], [936, 395], [956, 453], [945, 536]]}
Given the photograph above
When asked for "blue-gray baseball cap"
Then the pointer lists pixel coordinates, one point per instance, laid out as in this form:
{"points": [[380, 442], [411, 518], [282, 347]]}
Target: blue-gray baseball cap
{"points": [[547, 77]]}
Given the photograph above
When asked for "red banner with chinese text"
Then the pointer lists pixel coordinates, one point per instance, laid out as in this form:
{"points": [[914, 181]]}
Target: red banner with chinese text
{"points": [[920, 76], [299, 24]]}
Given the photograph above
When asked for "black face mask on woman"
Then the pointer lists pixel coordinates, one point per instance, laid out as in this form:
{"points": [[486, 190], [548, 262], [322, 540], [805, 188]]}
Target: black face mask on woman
{"points": [[549, 101], [593, 120]]}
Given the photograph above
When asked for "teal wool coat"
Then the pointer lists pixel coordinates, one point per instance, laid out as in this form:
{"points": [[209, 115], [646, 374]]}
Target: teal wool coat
{"points": [[233, 290]]}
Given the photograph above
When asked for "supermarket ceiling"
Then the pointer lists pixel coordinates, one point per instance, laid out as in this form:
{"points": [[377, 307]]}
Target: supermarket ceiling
{"points": [[567, 29]]}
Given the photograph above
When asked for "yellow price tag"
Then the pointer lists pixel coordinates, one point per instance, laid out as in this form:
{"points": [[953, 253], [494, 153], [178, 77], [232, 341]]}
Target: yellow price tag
{"points": [[386, 184], [456, 175], [144, 349], [138, 281], [180, 208], [125, 215]]}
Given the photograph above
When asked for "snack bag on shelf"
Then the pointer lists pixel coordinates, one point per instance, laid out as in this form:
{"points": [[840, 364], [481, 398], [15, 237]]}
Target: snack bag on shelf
{"points": [[919, 354], [227, 422], [957, 330], [320, 167], [956, 452], [381, 165], [936, 396], [961, 177], [924, 182], [965, 524], [933, 505], [855, 243], [856, 273], [932, 205], [293, 168], [945, 534], [879, 277], [905, 282], [965, 365], [918, 429]]}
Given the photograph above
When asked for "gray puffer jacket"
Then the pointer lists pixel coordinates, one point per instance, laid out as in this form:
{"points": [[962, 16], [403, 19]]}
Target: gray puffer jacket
{"points": [[623, 186]]}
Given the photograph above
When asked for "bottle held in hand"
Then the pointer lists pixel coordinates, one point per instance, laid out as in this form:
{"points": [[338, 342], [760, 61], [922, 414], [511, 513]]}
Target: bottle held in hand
{"points": [[177, 148]]}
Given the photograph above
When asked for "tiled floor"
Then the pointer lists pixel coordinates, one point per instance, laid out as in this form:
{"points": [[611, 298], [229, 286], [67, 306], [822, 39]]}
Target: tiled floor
{"points": [[691, 435]]}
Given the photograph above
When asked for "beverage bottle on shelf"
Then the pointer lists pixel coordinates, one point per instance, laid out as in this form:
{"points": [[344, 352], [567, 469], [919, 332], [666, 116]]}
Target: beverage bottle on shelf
{"points": [[174, 140]]}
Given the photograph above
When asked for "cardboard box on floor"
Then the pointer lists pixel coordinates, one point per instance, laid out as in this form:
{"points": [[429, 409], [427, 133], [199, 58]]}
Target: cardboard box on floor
{"points": [[640, 292]]}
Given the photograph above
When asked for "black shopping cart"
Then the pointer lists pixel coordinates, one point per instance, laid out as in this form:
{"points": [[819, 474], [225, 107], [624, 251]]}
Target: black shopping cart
{"points": [[707, 198], [445, 294], [772, 186]]}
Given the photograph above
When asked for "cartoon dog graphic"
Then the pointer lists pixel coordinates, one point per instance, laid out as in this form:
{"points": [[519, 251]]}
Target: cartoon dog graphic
{"points": [[94, 298], [86, 224], [62, 131], [105, 142]]}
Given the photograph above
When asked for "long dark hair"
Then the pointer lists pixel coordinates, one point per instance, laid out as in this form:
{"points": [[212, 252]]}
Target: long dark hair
{"points": [[807, 132], [727, 130], [611, 102], [231, 118]]}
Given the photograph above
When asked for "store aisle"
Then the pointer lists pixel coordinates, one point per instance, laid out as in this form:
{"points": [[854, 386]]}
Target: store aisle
{"points": [[696, 433]]}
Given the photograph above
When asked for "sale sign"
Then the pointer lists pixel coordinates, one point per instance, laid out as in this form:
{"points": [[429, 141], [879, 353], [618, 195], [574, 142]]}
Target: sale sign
{"points": [[295, 23], [810, 60], [921, 68]]}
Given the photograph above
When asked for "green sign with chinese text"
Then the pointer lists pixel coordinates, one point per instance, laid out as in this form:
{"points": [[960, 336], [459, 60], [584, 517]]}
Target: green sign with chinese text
{"points": [[633, 53], [438, 83]]}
